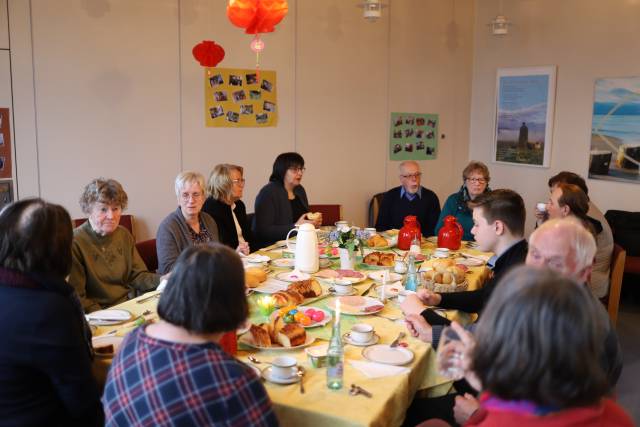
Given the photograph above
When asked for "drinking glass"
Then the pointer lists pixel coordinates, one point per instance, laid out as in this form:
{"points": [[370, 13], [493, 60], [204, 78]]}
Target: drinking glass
{"points": [[450, 354]]}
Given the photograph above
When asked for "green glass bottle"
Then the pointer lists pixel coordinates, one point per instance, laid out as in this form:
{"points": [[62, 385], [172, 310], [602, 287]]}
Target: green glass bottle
{"points": [[335, 359]]}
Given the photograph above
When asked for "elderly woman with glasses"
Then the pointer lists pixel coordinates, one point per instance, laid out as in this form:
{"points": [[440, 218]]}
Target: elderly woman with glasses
{"points": [[187, 225], [225, 187], [475, 181], [106, 265], [282, 203]]}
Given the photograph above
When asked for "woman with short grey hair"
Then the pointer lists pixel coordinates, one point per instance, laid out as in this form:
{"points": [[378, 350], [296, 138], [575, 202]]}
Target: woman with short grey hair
{"points": [[187, 225], [225, 188], [106, 265]]}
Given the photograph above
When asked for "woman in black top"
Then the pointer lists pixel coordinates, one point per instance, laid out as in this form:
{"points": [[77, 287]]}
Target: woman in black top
{"points": [[282, 203], [224, 188]]}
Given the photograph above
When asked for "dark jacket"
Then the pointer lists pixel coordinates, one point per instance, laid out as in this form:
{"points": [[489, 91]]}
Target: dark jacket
{"points": [[221, 213], [45, 356], [393, 209], [273, 218]]}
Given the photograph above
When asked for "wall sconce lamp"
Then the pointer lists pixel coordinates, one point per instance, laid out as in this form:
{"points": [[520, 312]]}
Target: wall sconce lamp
{"points": [[500, 25], [372, 9]]}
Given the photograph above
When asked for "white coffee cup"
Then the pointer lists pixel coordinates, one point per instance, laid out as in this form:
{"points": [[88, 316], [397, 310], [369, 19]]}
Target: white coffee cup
{"points": [[283, 367], [371, 231], [361, 332], [342, 287], [541, 207]]}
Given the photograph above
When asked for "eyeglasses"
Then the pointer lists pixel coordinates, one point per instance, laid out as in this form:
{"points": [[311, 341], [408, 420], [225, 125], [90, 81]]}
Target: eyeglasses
{"points": [[239, 181], [416, 175], [186, 196], [477, 180], [297, 169]]}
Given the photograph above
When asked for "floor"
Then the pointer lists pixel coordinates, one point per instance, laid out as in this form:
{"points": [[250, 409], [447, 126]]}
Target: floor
{"points": [[629, 335]]}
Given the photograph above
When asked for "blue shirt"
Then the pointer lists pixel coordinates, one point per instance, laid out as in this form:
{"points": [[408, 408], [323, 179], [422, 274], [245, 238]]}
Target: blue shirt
{"points": [[410, 196]]}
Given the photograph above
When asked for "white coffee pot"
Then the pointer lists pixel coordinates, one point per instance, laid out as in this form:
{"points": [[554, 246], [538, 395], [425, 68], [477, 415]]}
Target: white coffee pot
{"points": [[306, 248]]}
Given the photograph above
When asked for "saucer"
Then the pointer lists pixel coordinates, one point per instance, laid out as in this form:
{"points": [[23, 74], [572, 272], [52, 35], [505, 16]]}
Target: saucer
{"points": [[353, 291], [268, 375], [347, 338]]}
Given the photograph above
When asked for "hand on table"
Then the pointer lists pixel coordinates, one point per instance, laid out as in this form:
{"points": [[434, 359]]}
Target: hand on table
{"points": [[412, 305], [418, 327], [243, 248], [429, 298], [464, 407]]}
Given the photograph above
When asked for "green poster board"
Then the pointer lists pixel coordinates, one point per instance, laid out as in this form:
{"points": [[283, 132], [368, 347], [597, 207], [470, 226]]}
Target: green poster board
{"points": [[413, 136]]}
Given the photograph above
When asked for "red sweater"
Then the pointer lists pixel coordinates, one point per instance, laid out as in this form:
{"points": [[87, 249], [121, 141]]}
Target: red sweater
{"points": [[606, 413]]}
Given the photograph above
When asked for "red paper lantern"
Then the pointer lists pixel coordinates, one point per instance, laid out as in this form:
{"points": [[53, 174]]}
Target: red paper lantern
{"points": [[257, 16], [208, 53]]}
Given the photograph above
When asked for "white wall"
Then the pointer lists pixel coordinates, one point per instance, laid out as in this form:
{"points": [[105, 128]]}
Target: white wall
{"points": [[110, 88], [585, 39]]}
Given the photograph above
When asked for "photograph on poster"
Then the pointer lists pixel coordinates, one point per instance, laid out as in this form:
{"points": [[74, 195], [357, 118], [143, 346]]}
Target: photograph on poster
{"points": [[524, 115], [615, 130]]}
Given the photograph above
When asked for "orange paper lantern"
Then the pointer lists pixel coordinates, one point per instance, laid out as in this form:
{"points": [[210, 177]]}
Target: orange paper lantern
{"points": [[208, 53], [257, 16]]}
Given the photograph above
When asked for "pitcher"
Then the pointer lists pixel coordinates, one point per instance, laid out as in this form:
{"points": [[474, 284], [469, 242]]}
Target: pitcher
{"points": [[306, 250], [409, 230], [450, 235]]}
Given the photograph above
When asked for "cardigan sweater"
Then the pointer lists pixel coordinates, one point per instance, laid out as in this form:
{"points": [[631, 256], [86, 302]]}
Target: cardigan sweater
{"points": [[105, 269], [221, 213], [456, 205], [394, 208], [273, 218], [45, 356], [174, 236]]}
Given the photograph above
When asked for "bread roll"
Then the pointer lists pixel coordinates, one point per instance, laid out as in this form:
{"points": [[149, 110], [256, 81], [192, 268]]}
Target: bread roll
{"points": [[447, 278], [312, 216], [253, 276]]}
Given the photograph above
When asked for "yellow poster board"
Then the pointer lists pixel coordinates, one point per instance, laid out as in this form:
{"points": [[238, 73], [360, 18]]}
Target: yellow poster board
{"points": [[240, 98]]}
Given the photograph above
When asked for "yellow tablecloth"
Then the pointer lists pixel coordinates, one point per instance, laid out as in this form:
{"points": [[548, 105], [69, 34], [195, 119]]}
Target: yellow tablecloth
{"points": [[320, 406]]}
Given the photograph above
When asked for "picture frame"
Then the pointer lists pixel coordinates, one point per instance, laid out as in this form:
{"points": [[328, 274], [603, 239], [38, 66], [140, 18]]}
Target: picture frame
{"points": [[524, 115]]}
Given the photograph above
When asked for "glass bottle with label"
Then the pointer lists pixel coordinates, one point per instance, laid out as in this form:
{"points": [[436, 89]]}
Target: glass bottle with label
{"points": [[412, 279], [335, 358]]}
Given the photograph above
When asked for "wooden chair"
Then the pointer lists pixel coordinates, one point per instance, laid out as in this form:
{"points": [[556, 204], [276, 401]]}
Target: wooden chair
{"points": [[148, 253], [125, 220], [374, 208], [330, 213], [612, 299]]}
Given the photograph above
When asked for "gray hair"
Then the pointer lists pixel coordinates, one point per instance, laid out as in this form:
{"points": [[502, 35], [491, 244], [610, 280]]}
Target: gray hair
{"points": [[188, 177], [580, 239], [103, 190], [406, 162], [220, 185]]}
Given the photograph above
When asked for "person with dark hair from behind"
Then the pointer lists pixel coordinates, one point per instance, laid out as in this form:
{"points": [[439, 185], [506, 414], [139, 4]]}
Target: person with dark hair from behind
{"points": [[536, 355], [282, 203], [174, 371], [599, 282], [46, 351]]}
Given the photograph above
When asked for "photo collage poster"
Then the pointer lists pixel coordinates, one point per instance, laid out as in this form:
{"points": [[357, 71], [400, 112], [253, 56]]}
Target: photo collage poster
{"points": [[413, 136], [240, 98]]}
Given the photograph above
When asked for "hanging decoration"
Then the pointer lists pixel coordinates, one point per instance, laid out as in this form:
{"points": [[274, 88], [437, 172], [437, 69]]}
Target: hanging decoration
{"points": [[257, 17], [208, 53]]}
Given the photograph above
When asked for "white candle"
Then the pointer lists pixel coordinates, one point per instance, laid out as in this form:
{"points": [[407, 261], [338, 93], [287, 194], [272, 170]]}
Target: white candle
{"points": [[337, 311], [384, 285]]}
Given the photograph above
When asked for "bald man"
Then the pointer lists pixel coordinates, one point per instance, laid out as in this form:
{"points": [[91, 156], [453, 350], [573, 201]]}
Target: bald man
{"points": [[410, 198]]}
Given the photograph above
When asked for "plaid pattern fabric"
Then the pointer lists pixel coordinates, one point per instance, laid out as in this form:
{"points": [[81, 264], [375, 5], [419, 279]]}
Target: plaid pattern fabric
{"points": [[159, 383]]}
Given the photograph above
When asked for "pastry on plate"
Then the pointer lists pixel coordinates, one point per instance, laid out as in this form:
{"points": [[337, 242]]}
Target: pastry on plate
{"points": [[308, 288], [260, 335], [291, 335], [253, 276]]}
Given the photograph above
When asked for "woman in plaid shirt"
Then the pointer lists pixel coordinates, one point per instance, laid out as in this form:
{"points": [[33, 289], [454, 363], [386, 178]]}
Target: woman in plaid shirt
{"points": [[174, 372]]}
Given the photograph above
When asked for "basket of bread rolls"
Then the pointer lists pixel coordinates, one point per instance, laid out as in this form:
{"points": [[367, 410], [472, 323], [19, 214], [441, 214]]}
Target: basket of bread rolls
{"points": [[445, 276]]}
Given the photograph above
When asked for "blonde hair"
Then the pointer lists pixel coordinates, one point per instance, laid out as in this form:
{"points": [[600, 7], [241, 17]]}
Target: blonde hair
{"points": [[188, 177], [219, 185], [580, 239]]}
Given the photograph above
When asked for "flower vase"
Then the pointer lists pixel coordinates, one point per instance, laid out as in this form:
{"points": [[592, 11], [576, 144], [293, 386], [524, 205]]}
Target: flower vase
{"points": [[347, 259]]}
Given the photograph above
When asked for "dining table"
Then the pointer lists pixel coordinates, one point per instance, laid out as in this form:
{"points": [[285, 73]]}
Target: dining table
{"points": [[391, 387]]}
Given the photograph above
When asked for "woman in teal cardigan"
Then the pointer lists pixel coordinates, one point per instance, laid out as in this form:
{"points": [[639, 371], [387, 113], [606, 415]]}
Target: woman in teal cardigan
{"points": [[476, 181]]}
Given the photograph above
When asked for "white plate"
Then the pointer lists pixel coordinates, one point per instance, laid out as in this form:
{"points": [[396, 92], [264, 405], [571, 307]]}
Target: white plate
{"points": [[327, 317], [248, 340], [257, 259], [382, 353], [292, 276], [470, 262], [267, 375], [283, 262], [347, 338], [105, 340], [244, 328], [353, 291], [378, 276], [109, 317], [390, 291], [352, 280], [356, 305], [271, 286]]}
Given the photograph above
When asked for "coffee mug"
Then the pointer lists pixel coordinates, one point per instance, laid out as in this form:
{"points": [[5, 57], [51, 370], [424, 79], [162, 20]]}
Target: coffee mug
{"points": [[342, 288], [361, 332], [283, 367]]}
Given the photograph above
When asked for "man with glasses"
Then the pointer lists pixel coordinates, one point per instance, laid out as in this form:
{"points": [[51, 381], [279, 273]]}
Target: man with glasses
{"points": [[409, 199]]}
